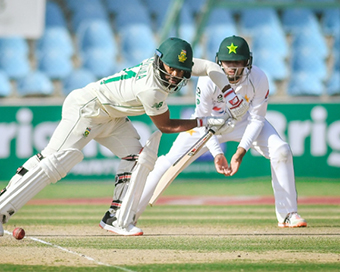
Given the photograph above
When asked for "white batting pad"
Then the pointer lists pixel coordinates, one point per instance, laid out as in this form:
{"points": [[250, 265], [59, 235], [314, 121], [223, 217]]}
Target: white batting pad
{"points": [[161, 165], [145, 164], [57, 165], [29, 164], [51, 169]]}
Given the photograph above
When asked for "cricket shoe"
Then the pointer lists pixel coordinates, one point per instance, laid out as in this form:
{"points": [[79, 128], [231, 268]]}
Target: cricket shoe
{"points": [[293, 220], [109, 222]]}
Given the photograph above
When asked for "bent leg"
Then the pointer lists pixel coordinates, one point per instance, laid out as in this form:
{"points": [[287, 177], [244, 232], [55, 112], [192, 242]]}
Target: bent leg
{"points": [[122, 139], [61, 154], [76, 121], [49, 170], [126, 214], [271, 146], [161, 165], [182, 143], [283, 182]]}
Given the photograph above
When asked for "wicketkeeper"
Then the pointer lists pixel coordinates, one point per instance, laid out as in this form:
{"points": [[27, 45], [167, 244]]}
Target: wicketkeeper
{"points": [[251, 131], [99, 112]]}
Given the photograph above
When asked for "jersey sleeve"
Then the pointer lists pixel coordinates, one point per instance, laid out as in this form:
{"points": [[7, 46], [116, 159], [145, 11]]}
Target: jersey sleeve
{"points": [[211, 69], [258, 105], [204, 91], [204, 104], [153, 102], [257, 110], [214, 146]]}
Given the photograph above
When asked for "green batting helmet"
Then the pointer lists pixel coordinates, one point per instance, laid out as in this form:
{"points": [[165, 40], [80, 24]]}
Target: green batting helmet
{"points": [[234, 48], [176, 53]]}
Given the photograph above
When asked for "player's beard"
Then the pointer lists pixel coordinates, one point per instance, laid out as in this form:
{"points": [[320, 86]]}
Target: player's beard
{"points": [[236, 77], [172, 83], [163, 77]]}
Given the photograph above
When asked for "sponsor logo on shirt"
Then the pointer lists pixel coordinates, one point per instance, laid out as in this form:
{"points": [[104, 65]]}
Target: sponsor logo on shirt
{"points": [[157, 105]]}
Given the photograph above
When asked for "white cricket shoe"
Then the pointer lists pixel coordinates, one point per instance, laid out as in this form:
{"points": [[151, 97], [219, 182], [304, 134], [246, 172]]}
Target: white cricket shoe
{"points": [[109, 222], [293, 220]]}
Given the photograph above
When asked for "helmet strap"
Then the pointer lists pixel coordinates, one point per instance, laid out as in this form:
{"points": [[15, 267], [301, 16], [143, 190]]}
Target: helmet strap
{"points": [[250, 61]]}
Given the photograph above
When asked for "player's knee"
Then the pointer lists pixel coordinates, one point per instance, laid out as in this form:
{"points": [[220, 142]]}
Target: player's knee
{"points": [[283, 153], [127, 163], [57, 165]]}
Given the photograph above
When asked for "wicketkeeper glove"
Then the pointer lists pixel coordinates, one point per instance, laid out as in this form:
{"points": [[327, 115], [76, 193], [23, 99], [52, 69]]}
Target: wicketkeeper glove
{"points": [[237, 106]]}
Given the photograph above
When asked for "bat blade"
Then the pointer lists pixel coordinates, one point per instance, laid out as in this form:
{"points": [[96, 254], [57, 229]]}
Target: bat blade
{"points": [[179, 165]]}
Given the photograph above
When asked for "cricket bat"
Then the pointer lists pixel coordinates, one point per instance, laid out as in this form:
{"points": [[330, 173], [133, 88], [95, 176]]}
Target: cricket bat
{"points": [[178, 166]]}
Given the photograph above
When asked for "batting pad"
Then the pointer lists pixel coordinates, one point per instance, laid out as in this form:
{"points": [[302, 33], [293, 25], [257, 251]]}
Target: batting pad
{"points": [[145, 165], [161, 166], [49, 170], [29, 164]]}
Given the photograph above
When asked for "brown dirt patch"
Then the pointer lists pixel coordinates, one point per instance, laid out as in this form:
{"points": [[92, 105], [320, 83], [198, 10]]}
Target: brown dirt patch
{"points": [[32, 252]]}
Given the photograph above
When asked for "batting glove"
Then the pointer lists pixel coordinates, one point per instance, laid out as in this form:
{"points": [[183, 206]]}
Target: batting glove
{"points": [[210, 122], [226, 128]]}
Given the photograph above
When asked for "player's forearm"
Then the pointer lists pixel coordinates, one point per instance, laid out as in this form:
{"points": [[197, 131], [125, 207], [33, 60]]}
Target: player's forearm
{"points": [[176, 125], [214, 146], [239, 154], [251, 133]]}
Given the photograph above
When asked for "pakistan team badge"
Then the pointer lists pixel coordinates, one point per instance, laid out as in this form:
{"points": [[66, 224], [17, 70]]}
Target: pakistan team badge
{"points": [[232, 48], [87, 132], [183, 56]]}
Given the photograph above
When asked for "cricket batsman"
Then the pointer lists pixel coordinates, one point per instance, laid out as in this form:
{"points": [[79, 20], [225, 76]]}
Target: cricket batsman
{"points": [[100, 111], [251, 131]]}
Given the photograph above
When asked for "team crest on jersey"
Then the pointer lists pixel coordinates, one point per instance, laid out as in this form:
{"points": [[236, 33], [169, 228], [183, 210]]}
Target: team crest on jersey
{"points": [[157, 105], [87, 132], [220, 98], [183, 56], [232, 48]]}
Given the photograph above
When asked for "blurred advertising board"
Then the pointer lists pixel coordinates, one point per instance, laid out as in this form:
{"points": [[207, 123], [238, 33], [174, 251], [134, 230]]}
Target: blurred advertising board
{"points": [[312, 130]]}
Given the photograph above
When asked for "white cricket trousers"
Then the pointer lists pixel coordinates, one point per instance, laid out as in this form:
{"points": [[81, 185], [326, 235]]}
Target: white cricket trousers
{"points": [[84, 119], [268, 144]]}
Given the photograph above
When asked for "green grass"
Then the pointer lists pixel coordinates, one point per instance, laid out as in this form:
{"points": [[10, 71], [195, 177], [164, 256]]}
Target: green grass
{"points": [[237, 230], [220, 238], [251, 187]]}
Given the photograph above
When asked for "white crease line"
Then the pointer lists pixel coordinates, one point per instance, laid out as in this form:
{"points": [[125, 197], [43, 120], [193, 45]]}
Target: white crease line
{"points": [[72, 252]]}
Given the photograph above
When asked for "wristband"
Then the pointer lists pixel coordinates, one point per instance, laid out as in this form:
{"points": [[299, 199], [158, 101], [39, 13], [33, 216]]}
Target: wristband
{"points": [[199, 122], [228, 92]]}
